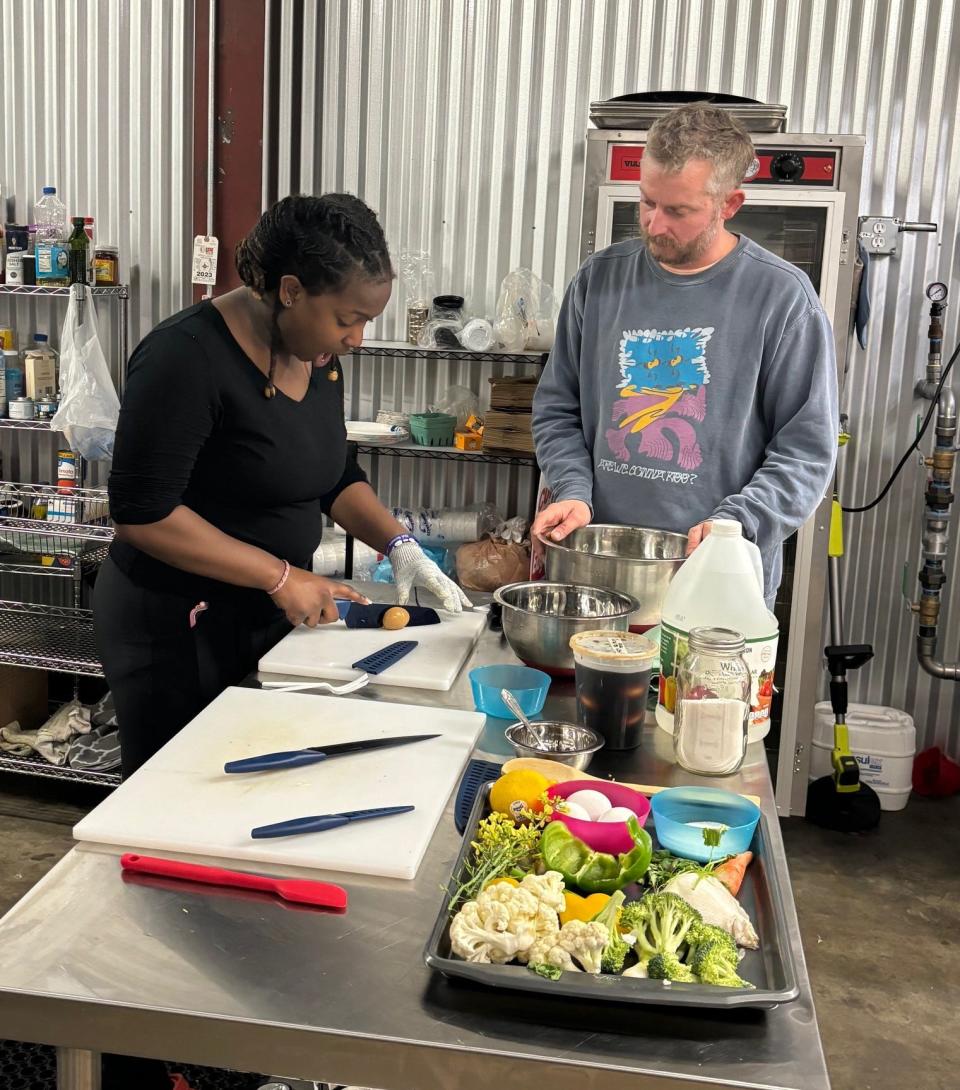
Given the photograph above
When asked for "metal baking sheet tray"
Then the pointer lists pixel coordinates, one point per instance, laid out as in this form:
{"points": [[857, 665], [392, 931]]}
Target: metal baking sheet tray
{"points": [[771, 968], [641, 115]]}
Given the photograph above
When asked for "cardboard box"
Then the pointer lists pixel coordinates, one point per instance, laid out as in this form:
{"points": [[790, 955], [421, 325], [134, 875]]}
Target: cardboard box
{"points": [[41, 375], [508, 431], [512, 392], [23, 697]]}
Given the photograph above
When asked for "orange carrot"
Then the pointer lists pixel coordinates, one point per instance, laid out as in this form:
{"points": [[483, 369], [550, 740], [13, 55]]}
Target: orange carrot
{"points": [[732, 871]]}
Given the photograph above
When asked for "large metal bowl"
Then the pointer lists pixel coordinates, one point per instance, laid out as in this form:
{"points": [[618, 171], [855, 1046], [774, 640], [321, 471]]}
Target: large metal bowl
{"points": [[539, 618], [630, 559]]}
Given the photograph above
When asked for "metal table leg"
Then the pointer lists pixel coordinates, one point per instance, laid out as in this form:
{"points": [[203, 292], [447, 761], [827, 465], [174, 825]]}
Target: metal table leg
{"points": [[78, 1069]]}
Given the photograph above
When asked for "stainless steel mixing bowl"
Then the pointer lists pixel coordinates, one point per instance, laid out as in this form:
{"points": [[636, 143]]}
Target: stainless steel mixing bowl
{"points": [[630, 559], [539, 619], [566, 743]]}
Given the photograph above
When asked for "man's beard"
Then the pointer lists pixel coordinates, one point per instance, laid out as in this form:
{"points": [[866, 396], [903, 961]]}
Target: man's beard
{"points": [[669, 252]]}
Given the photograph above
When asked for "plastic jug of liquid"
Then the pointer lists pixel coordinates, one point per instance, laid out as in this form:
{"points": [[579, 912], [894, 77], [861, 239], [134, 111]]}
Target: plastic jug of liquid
{"points": [[721, 585]]}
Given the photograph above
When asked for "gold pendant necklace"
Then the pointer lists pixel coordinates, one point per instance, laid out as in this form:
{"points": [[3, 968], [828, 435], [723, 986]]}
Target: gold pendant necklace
{"points": [[270, 390]]}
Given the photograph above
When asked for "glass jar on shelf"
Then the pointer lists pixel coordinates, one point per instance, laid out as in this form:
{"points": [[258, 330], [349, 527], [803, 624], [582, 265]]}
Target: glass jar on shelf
{"points": [[713, 703]]}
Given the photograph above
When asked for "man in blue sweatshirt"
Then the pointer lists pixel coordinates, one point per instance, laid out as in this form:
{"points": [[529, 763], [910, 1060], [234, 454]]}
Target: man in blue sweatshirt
{"points": [[693, 375]]}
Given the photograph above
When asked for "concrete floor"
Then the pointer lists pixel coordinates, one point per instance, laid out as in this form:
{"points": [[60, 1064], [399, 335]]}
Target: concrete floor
{"points": [[880, 916]]}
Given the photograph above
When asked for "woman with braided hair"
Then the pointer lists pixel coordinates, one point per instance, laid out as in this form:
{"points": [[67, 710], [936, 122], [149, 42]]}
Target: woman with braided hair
{"points": [[230, 450]]}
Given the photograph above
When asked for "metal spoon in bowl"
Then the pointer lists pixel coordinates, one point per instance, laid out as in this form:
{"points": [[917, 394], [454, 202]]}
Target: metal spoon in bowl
{"points": [[534, 728]]}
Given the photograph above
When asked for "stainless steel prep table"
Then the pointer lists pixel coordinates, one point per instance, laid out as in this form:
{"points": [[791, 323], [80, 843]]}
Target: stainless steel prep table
{"points": [[90, 962]]}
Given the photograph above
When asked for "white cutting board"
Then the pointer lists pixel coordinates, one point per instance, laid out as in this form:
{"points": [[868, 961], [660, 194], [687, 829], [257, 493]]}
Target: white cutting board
{"points": [[329, 650], [181, 800]]}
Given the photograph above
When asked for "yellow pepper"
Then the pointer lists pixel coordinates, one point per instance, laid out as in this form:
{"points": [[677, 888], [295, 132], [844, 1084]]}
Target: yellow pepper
{"points": [[506, 878], [582, 908]]}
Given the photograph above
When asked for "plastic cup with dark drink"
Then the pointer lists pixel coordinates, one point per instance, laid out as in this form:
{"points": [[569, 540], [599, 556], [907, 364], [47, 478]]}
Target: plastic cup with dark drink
{"points": [[613, 671]]}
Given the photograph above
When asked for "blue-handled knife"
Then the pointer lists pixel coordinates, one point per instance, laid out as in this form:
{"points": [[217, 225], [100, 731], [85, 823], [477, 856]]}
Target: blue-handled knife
{"points": [[321, 822], [294, 758]]}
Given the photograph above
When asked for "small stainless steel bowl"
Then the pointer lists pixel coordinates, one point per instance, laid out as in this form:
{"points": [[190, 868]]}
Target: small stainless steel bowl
{"points": [[566, 743], [539, 618]]}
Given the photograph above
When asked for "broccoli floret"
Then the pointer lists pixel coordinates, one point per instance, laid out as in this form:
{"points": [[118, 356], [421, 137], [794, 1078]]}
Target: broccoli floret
{"points": [[551, 972], [705, 935], [715, 967], [616, 949], [715, 958], [669, 967], [661, 923]]}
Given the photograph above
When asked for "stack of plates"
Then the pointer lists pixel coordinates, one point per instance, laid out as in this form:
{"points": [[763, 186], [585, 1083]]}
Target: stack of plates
{"points": [[379, 435]]}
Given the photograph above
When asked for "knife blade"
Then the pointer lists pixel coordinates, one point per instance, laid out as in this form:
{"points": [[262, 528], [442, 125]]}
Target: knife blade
{"points": [[296, 758], [319, 823]]}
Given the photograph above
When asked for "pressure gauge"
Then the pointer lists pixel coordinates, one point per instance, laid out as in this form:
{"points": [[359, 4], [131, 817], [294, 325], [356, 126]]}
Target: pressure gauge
{"points": [[936, 292]]}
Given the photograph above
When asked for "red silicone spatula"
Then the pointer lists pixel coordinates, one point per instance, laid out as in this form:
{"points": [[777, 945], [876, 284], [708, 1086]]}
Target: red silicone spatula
{"points": [[301, 890]]}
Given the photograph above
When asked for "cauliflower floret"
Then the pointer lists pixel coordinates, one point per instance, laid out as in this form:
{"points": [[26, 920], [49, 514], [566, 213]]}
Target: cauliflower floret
{"points": [[547, 888], [528, 918], [585, 942], [472, 940], [507, 921], [640, 969], [546, 951], [494, 915], [544, 925], [517, 900]]}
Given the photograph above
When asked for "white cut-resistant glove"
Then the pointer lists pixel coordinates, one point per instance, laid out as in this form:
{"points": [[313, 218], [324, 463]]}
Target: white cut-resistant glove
{"points": [[413, 568]]}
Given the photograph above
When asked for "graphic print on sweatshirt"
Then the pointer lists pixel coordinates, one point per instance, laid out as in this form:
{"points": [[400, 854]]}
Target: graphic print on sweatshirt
{"points": [[662, 396]]}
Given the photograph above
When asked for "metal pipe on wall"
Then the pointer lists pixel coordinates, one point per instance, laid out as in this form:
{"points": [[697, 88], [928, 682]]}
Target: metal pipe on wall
{"points": [[211, 117], [939, 496], [267, 127]]}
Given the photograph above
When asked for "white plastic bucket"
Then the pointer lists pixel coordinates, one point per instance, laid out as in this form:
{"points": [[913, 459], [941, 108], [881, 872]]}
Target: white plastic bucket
{"points": [[883, 740]]}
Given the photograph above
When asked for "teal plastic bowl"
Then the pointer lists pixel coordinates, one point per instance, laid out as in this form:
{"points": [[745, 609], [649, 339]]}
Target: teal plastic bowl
{"points": [[529, 688], [675, 808]]}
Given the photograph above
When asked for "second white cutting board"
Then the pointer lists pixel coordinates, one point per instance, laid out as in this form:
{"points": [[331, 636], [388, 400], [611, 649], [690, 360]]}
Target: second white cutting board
{"points": [[329, 650], [183, 801]]}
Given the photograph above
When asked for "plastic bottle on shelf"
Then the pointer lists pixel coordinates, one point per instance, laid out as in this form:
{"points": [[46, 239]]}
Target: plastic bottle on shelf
{"points": [[52, 254], [721, 585], [50, 214]]}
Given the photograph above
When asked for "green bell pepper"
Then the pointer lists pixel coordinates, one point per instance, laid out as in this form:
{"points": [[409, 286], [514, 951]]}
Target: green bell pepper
{"points": [[590, 871]]}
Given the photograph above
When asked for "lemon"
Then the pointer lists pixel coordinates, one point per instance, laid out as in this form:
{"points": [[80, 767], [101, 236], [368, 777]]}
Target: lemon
{"points": [[518, 790]]}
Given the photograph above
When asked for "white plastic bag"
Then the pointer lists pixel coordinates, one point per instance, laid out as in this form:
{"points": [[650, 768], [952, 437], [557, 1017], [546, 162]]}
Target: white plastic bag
{"points": [[526, 313], [89, 406], [458, 401]]}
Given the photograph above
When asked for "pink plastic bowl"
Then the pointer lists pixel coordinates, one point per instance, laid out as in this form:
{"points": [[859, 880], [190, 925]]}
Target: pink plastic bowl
{"points": [[603, 836]]}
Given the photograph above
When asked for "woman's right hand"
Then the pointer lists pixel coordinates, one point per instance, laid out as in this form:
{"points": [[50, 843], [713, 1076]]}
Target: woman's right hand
{"points": [[309, 599]]}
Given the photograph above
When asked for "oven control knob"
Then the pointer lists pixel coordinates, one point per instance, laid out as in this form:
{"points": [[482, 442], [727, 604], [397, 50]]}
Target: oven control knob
{"points": [[787, 167]]}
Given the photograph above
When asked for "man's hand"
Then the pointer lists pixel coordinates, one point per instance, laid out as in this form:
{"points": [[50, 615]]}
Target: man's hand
{"points": [[697, 534], [558, 520]]}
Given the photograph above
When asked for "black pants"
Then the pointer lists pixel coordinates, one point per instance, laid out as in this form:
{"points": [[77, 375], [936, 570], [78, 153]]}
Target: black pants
{"points": [[162, 672]]}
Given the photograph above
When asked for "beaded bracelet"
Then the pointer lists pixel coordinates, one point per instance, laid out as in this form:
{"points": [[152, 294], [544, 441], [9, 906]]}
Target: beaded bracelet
{"points": [[400, 539], [283, 578]]}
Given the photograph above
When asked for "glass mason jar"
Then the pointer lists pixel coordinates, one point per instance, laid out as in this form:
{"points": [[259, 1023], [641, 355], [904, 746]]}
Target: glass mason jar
{"points": [[713, 703]]}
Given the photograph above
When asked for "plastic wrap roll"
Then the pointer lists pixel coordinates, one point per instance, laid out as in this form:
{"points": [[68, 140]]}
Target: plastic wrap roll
{"points": [[448, 526], [330, 558]]}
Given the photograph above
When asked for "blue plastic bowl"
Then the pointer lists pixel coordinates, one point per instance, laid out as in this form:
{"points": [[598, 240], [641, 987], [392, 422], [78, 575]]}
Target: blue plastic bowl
{"points": [[674, 808], [529, 688]]}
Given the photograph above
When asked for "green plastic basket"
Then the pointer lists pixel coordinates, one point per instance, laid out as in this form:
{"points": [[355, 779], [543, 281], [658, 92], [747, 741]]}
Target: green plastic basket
{"points": [[433, 429]]}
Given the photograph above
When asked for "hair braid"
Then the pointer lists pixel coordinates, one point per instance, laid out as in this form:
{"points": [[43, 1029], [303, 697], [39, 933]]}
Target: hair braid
{"points": [[323, 241]]}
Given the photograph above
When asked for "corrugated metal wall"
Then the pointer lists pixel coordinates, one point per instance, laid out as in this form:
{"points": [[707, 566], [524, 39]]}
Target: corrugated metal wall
{"points": [[97, 100], [463, 122]]}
